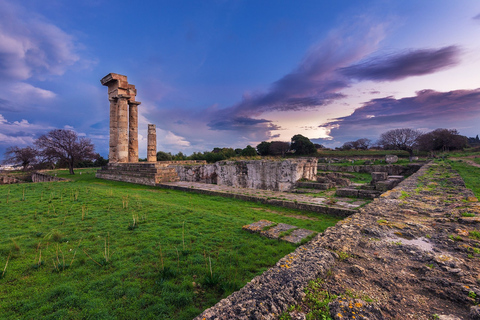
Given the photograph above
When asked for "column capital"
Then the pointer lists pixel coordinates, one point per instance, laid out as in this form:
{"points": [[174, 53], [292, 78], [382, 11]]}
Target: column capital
{"points": [[124, 96], [134, 102]]}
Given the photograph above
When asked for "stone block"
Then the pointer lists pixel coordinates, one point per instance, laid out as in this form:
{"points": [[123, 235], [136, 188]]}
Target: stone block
{"points": [[378, 176], [369, 194], [347, 192], [385, 185], [391, 158]]}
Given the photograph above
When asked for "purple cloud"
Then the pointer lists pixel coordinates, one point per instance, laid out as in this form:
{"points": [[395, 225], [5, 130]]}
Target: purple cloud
{"points": [[429, 109], [30, 46], [477, 17], [315, 82], [403, 65]]}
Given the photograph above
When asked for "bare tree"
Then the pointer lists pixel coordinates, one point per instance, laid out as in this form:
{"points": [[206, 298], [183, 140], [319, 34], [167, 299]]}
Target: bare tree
{"points": [[400, 139], [21, 156], [65, 145]]}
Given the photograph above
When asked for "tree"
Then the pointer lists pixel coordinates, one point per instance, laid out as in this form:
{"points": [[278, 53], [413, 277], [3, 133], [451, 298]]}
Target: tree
{"points": [[360, 144], [302, 145], [164, 156], [279, 148], [263, 148], [249, 151], [442, 140], [65, 145], [21, 156], [400, 139]]}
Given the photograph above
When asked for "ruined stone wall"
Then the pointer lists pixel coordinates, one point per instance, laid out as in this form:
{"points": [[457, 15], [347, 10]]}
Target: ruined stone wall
{"points": [[254, 174], [9, 180], [205, 173], [390, 169], [40, 177]]}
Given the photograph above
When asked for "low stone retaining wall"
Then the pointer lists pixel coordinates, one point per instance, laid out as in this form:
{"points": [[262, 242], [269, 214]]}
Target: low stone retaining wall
{"points": [[41, 177], [390, 169], [9, 180]]}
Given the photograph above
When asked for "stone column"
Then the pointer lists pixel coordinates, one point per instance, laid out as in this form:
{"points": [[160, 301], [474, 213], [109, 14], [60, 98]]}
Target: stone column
{"points": [[133, 131], [112, 155], [122, 133], [152, 143]]}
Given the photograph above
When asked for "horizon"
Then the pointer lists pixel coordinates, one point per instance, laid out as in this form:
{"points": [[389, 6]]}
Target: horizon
{"points": [[236, 73]]}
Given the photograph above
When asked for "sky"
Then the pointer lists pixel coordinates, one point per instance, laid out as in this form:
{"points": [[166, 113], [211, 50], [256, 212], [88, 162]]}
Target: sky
{"points": [[231, 73]]}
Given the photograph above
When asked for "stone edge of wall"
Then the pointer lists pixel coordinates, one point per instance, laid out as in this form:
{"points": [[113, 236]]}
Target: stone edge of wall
{"points": [[271, 293], [339, 212]]}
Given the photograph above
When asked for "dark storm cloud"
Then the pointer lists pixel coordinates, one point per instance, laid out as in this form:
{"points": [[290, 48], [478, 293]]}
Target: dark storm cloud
{"points": [[241, 123], [428, 109], [403, 65]]}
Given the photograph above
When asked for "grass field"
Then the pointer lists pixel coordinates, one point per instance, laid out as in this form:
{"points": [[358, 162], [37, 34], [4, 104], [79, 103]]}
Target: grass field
{"points": [[95, 249], [470, 174]]}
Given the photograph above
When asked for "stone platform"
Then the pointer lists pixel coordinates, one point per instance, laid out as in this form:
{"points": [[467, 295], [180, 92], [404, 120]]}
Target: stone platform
{"points": [[147, 173], [279, 231], [343, 207]]}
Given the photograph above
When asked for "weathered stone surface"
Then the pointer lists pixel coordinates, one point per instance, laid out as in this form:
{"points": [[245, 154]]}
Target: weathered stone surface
{"points": [[391, 159], [144, 173], [205, 173], [123, 118], [253, 174], [369, 194], [267, 175], [391, 169], [152, 143], [297, 235], [347, 192], [41, 177], [385, 185], [274, 232], [378, 176], [133, 131], [9, 180], [270, 294]]}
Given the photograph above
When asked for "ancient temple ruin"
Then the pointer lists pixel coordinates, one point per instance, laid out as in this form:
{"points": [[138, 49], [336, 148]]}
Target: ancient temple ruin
{"points": [[124, 164], [123, 118]]}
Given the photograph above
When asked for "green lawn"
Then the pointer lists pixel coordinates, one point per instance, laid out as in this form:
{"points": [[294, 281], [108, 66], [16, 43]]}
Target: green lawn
{"points": [[470, 174], [74, 251]]}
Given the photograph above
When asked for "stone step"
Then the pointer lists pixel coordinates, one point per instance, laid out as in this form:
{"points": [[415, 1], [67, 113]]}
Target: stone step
{"points": [[280, 231]]}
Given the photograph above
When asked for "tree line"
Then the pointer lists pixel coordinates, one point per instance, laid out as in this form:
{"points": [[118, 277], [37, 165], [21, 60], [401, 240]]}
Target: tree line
{"points": [[409, 140], [59, 147], [64, 148]]}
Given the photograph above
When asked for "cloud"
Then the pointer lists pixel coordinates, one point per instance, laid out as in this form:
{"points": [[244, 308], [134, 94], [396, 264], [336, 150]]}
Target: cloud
{"points": [[326, 70], [428, 109], [477, 17], [30, 46], [402, 65], [19, 132], [314, 82]]}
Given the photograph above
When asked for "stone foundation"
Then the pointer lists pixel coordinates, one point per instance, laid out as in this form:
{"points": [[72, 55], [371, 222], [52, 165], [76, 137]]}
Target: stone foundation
{"points": [[253, 174], [147, 173]]}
